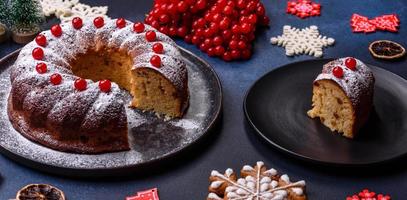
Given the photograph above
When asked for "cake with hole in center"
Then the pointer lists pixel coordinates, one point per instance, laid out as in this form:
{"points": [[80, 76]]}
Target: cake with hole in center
{"points": [[343, 95], [67, 85]]}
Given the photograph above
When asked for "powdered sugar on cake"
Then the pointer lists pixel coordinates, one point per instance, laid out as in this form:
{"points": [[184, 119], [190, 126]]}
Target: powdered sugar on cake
{"points": [[354, 83]]}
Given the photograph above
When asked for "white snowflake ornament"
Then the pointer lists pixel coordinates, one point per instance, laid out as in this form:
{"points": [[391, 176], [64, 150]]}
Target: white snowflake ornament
{"points": [[302, 41], [257, 183], [83, 11], [50, 7]]}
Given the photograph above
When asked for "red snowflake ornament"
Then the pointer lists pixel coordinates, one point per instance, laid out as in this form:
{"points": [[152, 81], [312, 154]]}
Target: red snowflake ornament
{"points": [[151, 194], [368, 195], [303, 8]]}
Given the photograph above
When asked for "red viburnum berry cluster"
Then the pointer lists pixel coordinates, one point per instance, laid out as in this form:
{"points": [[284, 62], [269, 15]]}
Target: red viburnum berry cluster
{"points": [[368, 195], [220, 28]]}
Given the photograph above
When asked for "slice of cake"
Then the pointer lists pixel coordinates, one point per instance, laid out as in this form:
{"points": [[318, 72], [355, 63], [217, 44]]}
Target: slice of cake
{"points": [[343, 95]]}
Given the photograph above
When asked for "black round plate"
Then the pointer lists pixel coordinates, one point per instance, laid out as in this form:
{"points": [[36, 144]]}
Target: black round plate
{"points": [[152, 139], [277, 104]]}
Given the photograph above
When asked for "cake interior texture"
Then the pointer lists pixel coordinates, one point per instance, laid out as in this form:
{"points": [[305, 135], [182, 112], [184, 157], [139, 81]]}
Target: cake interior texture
{"points": [[149, 89], [333, 107]]}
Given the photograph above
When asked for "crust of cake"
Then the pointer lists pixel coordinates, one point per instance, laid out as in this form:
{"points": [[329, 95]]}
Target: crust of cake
{"points": [[44, 137]]}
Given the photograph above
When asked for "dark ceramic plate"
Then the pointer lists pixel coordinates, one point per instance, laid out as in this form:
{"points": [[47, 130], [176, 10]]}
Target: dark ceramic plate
{"points": [[276, 107], [152, 139]]}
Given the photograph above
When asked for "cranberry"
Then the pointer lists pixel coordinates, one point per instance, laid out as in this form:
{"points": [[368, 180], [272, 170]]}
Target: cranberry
{"points": [[172, 31], [216, 17], [195, 40], [235, 54], [227, 56], [182, 31], [351, 63], [41, 68], [211, 52], [219, 50], [200, 4], [337, 72], [164, 19], [77, 22], [172, 9], [99, 22], [105, 85], [224, 24], [151, 36], [38, 53], [246, 54], [182, 6], [56, 79], [233, 44], [228, 10], [41, 40], [80, 84], [155, 60], [56, 30], [120, 23], [217, 41], [245, 28], [138, 27], [158, 48]]}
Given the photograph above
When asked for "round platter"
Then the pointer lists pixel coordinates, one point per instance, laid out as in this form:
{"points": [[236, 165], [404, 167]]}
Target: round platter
{"points": [[151, 139], [276, 107]]}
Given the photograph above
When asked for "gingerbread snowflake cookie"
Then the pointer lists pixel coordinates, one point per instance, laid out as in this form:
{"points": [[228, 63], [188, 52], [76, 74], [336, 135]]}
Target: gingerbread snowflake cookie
{"points": [[256, 183], [302, 41]]}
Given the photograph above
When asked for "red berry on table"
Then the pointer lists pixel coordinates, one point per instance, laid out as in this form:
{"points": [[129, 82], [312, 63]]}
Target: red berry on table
{"points": [[219, 50], [41, 40], [56, 30], [151, 36], [211, 52], [224, 24], [41, 68], [80, 84], [38, 53], [172, 31], [120, 23], [233, 44], [227, 56], [164, 19], [158, 48], [235, 54], [337, 72], [155, 61], [56, 79], [77, 22], [245, 28], [235, 29], [351, 63], [99, 22], [242, 45], [105, 85], [246, 54], [172, 9], [228, 10], [182, 31], [200, 4], [182, 6], [217, 40]]}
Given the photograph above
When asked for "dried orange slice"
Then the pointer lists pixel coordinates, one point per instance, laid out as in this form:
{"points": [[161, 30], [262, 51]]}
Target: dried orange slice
{"points": [[386, 49], [40, 192]]}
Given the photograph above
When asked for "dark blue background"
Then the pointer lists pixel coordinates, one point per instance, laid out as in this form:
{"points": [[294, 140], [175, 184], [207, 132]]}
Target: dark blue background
{"points": [[234, 144]]}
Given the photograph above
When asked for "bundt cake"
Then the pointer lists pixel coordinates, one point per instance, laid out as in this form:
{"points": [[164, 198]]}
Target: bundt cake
{"points": [[343, 95], [67, 85]]}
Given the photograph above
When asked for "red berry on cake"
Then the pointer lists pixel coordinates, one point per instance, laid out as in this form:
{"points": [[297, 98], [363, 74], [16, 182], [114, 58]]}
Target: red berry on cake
{"points": [[56, 30], [80, 84], [120, 23], [337, 72], [151, 36], [41, 68], [105, 85], [41, 40], [155, 61], [77, 22], [38, 53], [56, 79], [351, 63], [99, 22], [158, 48], [138, 27]]}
